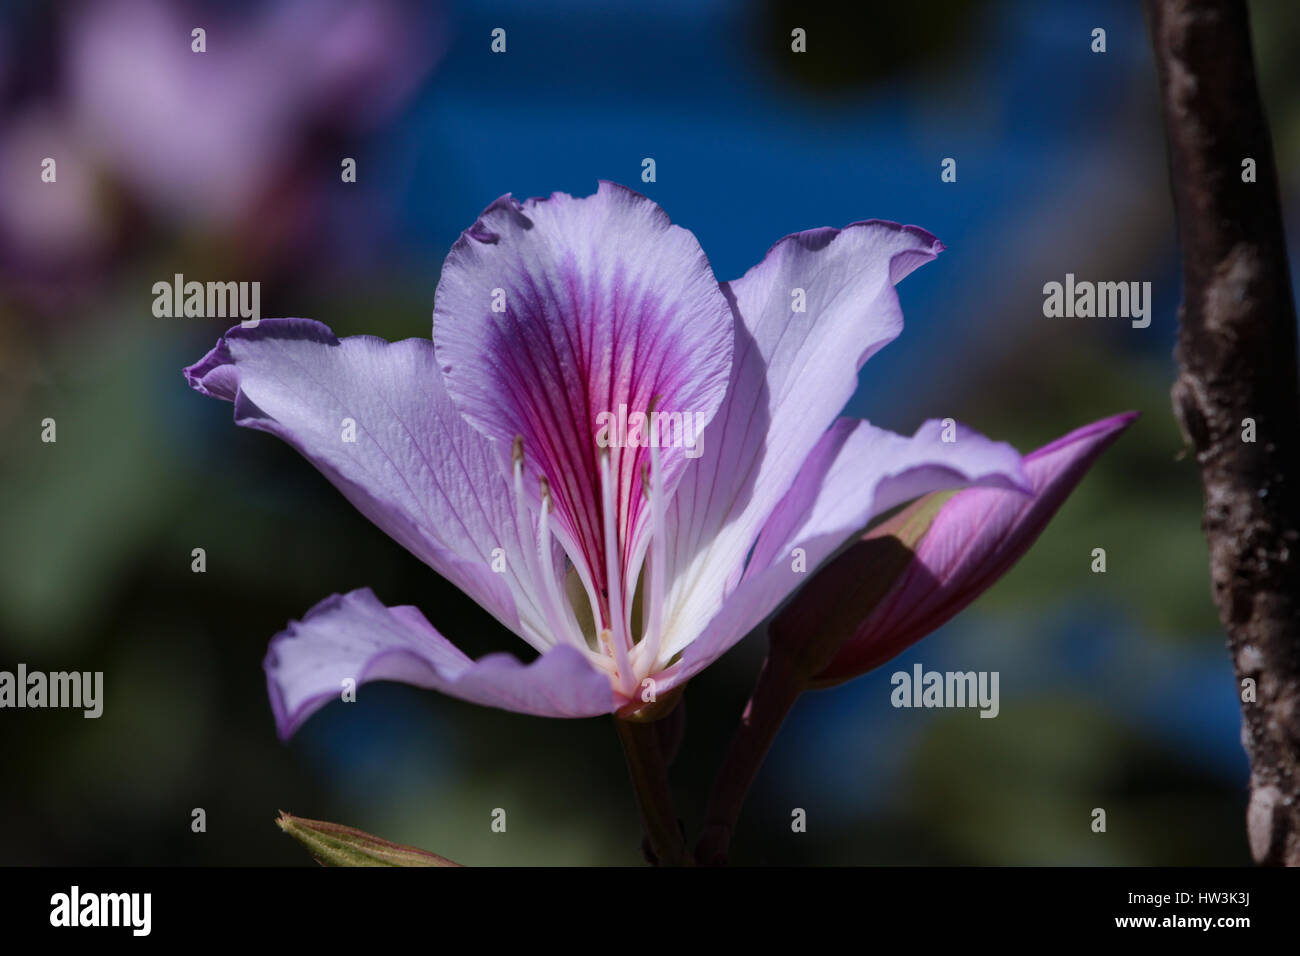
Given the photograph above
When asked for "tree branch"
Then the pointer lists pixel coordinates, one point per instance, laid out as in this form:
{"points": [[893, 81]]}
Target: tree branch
{"points": [[1237, 361]]}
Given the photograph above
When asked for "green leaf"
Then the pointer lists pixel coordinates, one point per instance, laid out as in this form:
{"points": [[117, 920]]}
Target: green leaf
{"points": [[333, 844]]}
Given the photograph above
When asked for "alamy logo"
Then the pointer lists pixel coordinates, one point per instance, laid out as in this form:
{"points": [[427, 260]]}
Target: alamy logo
{"points": [[212, 300], [26, 688], [651, 430], [102, 909], [1104, 300], [923, 688]]}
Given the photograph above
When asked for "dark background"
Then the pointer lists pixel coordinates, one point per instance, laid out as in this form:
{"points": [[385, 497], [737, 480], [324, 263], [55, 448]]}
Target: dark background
{"points": [[1116, 691]]}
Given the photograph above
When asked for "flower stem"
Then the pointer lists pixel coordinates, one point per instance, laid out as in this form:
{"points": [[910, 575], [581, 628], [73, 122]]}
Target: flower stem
{"points": [[779, 686], [665, 845]]}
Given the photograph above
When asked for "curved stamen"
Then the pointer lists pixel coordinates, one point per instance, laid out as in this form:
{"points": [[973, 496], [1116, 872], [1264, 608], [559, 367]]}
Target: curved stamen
{"points": [[647, 658], [524, 528], [616, 633], [541, 573], [588, 585], [564, 625]]}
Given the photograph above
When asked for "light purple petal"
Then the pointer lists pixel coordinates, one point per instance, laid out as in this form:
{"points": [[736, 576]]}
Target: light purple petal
{"points": [[415, 468], [859, 471], [792, 374], [601, 303], [856, 472], [355, 637], [974, 539]]}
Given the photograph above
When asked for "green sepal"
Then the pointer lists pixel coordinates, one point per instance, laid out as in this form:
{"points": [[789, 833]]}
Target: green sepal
{"points": [[332, 844]]}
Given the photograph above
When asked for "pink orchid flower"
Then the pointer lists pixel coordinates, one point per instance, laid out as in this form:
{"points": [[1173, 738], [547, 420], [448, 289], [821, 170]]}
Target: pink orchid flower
{"points": [[487, 450]]}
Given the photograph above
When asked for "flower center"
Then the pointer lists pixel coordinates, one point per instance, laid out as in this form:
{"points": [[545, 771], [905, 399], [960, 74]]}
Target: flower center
{"points": [[617, 649]]}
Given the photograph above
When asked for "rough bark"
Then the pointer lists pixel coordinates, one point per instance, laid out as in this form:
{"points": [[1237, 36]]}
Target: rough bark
{"points": [[1236, 361]]}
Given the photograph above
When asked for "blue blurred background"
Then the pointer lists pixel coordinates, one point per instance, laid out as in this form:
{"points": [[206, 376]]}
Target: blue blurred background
{"points": [[1116, 688]]}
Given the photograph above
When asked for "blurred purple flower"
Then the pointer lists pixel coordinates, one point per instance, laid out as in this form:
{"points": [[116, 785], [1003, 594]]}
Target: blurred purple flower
{"points": [[48, 223], [217, 140], [205, 135], [481, 451]]}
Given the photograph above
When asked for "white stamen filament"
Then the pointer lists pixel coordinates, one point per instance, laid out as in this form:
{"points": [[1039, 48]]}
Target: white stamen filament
{"points": [[626, 663], [540, 572], [648, 649], [565, 626], [588, 586], [618, 629], [524, 527]]}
